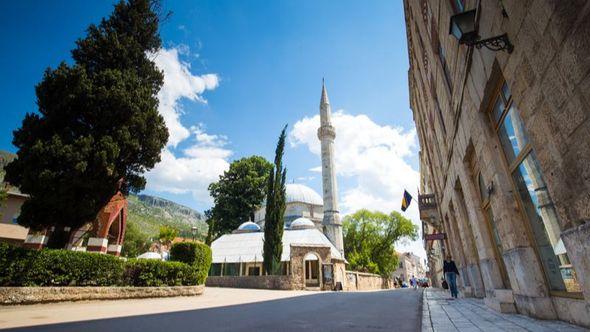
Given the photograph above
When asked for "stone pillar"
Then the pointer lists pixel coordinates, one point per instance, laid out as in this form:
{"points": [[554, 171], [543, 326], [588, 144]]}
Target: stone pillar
{"points": [[577, 243], [115, 249], [36, 241], [472, 258], [97, 244]]}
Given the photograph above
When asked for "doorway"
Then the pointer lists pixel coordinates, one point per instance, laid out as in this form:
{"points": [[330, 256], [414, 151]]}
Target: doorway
{"points": [[312, 270]]}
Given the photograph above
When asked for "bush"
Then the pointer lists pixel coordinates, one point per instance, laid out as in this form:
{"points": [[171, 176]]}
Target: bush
{"points": [[49, 267], [195, 254], [149, 272]]}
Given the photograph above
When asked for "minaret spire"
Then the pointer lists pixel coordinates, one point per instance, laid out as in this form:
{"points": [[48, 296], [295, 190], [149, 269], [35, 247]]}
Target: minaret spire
{"points": [[327, 134]]}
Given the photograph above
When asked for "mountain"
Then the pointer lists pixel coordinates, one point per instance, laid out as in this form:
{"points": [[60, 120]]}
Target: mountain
{"points": [[5, 158], [151, 212]]}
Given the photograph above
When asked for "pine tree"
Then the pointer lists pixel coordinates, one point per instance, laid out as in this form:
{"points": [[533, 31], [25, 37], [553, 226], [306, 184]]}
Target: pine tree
{"points": [[274, 219], [97, 129]]}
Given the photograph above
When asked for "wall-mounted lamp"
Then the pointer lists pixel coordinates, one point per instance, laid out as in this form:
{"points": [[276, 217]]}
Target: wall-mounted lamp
{"points": [[463, 28]]}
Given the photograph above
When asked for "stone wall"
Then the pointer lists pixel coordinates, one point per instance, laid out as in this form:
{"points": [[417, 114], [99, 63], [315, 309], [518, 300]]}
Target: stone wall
{"points": [[452, 92], [258, 282], [360, 281], [31, 295]]}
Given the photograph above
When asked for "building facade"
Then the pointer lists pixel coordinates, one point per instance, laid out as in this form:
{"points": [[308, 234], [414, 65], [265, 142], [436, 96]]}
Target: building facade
{"points": [[409, 265], [505, 149]]}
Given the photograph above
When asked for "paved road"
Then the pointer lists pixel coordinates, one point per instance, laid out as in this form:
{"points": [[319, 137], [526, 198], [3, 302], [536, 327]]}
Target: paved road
{"points": [[396, 310]]}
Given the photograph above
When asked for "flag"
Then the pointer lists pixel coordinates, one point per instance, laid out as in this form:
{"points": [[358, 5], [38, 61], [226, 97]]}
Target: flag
{"points": [[406, 200]]}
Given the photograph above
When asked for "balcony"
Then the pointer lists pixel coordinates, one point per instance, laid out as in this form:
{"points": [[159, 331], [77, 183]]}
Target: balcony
{"points": [[428, 210]]}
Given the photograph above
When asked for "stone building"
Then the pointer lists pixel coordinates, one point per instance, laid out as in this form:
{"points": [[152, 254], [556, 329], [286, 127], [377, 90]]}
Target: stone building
{"points": [[409, 265], [505, 149], [300, 201], [313, 248], [308, 261]]}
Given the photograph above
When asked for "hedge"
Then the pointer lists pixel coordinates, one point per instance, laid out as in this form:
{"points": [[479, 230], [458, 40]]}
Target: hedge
{"points": [[49, 267], [150, 272], [195, 254]]}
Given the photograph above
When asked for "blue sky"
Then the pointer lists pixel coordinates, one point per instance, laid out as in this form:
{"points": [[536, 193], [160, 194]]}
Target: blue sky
{"points": [[248, 68]]}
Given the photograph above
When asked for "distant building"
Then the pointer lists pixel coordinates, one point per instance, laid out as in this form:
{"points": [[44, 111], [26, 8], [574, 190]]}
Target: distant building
{"points": [[10, 231], [409, 265]]}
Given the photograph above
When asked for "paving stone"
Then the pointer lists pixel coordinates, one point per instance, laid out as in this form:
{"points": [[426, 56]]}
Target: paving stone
{"points": [[473, 315]]}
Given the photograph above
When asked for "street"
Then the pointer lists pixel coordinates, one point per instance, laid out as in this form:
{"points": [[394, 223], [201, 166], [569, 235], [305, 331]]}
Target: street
{"points": [[246, 310]]}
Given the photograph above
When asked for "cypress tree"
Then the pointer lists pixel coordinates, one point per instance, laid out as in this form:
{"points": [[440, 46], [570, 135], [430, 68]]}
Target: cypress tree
{"points": [[274, 218], [97, 128]]}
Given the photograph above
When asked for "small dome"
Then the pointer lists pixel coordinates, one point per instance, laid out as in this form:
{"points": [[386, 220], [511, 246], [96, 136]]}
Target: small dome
{"points": [[302, 223], [247, 227], [302, 194]]}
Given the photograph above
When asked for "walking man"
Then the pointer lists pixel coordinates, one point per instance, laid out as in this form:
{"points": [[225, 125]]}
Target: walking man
{"points": [[451, 273]]}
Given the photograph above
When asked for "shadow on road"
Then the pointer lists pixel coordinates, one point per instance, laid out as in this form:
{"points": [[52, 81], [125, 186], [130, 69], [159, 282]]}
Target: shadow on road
{"points": [[396, 310]]}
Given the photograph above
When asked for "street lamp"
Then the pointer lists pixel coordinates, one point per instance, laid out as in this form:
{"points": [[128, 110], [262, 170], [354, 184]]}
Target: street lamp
{"points": [[194, 232], [463, 28]]}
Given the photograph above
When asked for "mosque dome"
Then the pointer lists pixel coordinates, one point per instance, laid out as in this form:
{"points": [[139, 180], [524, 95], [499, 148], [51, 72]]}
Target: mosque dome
{"points": [[248, 227], [302, 194], [302, 223]]}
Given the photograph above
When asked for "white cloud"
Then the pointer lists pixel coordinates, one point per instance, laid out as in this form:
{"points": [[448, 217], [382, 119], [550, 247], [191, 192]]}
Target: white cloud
{"points": [[205, 158], [179, 83], [371, 157]]}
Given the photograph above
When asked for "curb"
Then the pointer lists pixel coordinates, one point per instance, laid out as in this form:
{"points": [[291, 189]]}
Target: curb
{"points": [[34, 295]]}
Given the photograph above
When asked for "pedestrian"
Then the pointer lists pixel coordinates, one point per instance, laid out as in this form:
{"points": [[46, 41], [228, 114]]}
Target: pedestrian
{"points": [[451, 273], [414, 282]]}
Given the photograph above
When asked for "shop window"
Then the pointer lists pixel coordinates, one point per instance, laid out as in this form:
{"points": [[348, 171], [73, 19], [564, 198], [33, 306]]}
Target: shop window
{"points": [[532, 193]]}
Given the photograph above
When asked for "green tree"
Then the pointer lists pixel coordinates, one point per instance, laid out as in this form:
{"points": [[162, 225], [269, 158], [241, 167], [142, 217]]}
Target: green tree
{"points": [[136, 242], [167, 235], [369, 238], [274, 219], [237, 194], [97, 129]]}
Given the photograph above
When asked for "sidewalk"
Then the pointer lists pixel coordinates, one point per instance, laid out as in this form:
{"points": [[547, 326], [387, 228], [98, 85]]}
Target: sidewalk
{"points": [[441, 314]]}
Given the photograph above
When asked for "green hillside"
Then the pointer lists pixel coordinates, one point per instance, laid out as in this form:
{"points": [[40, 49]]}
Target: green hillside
{"points": [[5, 158], [150, 212]]}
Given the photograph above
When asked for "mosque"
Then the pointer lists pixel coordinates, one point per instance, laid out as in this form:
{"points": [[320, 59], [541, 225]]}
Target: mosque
{"points": [[313, 248]]}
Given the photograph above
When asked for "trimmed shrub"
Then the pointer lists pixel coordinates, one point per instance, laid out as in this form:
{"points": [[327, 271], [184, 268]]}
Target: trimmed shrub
{"points": [[150, 272], [195, 254], [48, 267], [14, 263]]}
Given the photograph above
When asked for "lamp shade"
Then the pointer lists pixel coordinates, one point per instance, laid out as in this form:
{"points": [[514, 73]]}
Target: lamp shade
{"points": [[462, 27]]}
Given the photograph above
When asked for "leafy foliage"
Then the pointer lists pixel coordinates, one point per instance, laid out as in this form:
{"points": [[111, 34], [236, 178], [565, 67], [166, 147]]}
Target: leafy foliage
{"points": [[136, 241], [97, 128], [153, 272], [167, 235], [48, 267], [369, 238], [23, 267], [274, 219], [237, 194], [195, 254]]}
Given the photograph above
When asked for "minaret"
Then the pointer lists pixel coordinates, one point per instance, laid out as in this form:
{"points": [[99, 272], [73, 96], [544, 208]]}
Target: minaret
{"points": [[327, 134]]}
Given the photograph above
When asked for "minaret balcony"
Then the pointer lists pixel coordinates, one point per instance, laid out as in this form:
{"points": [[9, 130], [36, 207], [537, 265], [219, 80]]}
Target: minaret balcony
{"points": [[326, 131], [428, 209]]}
